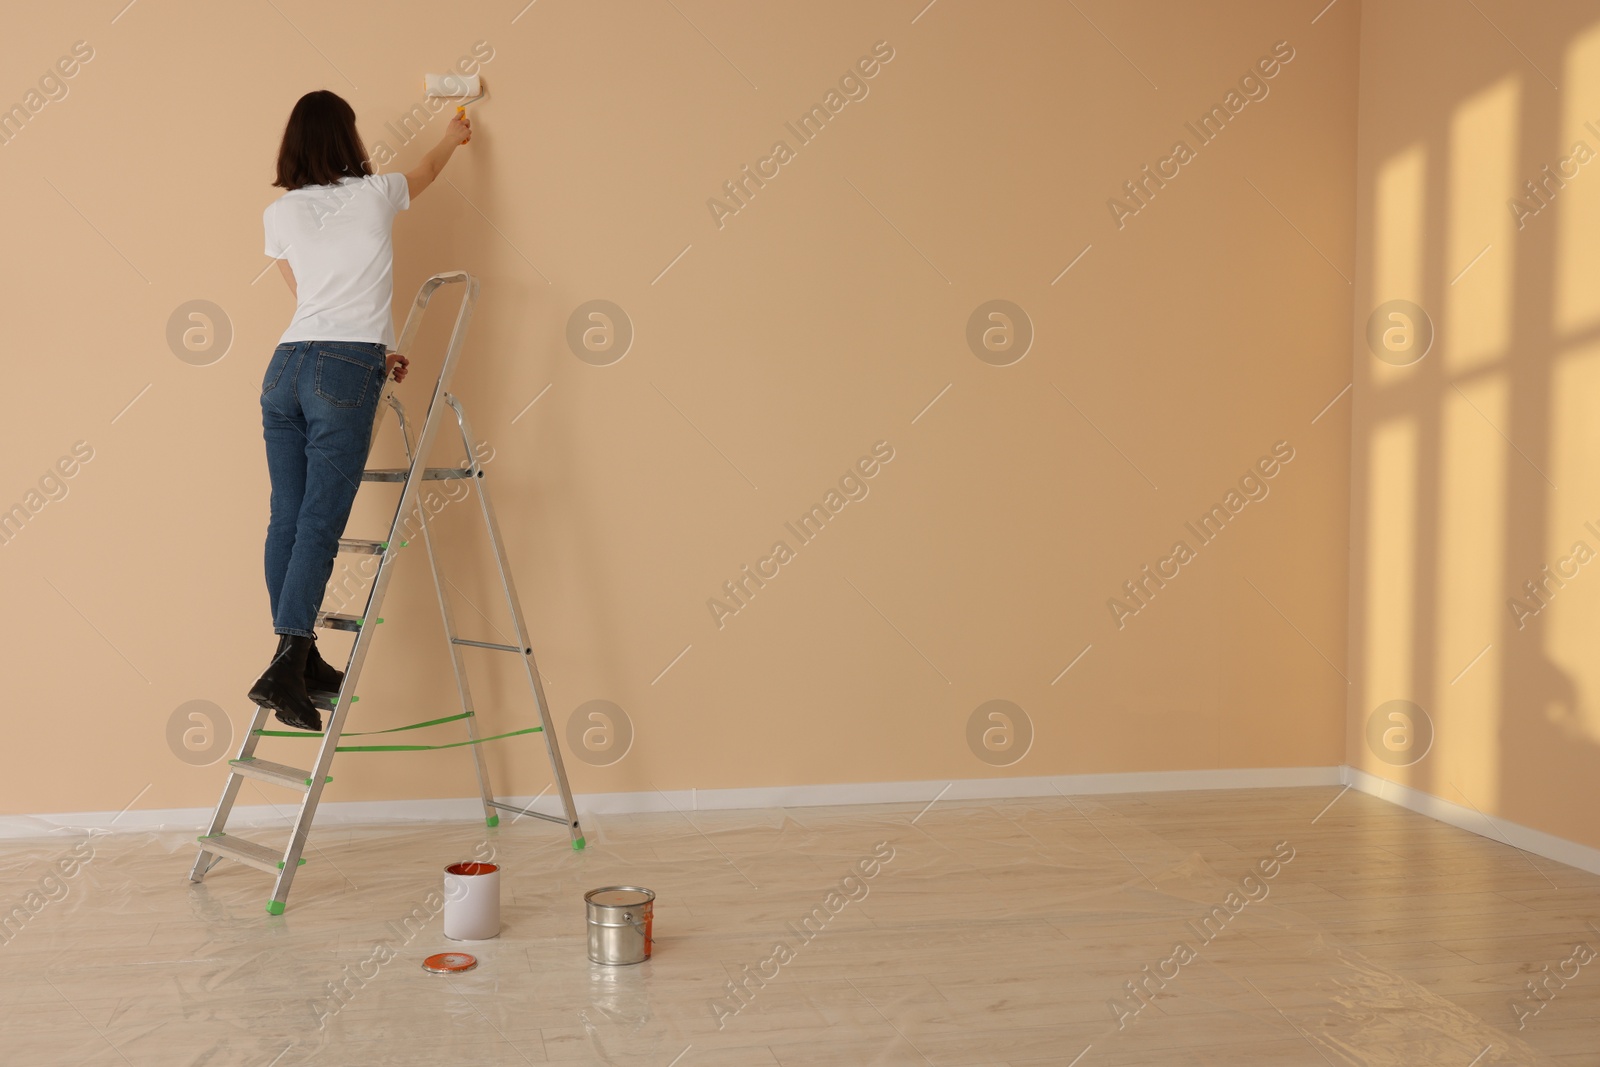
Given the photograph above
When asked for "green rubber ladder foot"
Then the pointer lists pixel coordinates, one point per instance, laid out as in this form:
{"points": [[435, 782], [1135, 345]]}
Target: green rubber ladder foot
{"points": [[577, 844], [493, 820], [274, 907]]}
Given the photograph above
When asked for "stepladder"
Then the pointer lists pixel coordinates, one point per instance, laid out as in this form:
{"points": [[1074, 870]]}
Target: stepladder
{"points": [[410, 520]]}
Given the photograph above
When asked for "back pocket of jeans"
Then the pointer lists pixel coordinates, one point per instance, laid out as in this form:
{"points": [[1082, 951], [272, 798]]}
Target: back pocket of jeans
{"points": [[275, 366], [343, 381]]}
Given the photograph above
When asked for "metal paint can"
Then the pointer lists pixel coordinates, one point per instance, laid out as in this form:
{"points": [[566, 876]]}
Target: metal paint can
{"points": [[620, 918]]}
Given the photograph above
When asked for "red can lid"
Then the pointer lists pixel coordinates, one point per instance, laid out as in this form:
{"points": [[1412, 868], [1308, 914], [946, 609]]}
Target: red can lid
{"points": [[449, 963]]}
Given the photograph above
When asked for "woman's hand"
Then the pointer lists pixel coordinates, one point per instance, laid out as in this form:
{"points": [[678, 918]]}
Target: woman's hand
{"points": [[395, 366], [460, 129]]}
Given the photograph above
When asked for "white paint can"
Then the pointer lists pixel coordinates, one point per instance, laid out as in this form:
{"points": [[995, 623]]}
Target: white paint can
{"points": [[471, 901]]}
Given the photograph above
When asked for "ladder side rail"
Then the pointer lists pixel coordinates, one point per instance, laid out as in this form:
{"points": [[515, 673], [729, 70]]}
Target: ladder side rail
{"points": [[230, 793], [408, 334], [528, 663], [418, 465], [330, 740], [463, 688], [469, 297]]}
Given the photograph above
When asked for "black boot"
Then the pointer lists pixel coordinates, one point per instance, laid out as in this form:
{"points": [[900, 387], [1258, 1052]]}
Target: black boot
{"points": [[322, 680], [283, 686]]}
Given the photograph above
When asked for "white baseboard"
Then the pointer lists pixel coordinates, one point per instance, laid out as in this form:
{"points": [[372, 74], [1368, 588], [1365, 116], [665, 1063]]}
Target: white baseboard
{"points": [[470, 809], [1502, 830]]}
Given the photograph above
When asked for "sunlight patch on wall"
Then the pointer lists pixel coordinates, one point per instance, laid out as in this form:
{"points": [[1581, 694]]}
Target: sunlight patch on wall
{"points": [[1568, 188], [1561, 611], [1472, 484], [1479, 252]]}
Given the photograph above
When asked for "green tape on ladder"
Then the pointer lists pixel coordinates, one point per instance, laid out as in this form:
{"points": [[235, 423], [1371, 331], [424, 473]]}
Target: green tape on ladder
{"points": [[302, 863], [431, 748], [367, 733], [397, 729]]}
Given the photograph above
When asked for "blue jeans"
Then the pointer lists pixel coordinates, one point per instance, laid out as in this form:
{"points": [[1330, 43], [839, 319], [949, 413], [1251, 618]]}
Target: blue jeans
{"points": [[318, 400]]}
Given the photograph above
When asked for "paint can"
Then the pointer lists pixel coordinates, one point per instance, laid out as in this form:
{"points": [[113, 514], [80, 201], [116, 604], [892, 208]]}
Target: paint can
{"points": [[620, 918], [471, 901]]}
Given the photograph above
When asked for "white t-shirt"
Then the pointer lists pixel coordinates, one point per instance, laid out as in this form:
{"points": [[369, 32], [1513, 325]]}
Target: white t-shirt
{"points": [[337, 241]]}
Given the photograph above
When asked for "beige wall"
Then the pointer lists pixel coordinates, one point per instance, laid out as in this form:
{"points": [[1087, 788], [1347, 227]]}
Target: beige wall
{"points": [[820, 319], [1474, 467]]}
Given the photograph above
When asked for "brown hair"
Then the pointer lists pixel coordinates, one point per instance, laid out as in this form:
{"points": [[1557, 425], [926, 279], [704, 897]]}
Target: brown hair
{"points": [[320, 143]]}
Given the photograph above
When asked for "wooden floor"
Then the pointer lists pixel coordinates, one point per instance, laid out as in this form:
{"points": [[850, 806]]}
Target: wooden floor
{"points": [[995, 932]]}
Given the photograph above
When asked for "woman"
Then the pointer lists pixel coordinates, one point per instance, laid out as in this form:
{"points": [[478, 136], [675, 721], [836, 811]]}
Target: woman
{"points": [[330, 233]]}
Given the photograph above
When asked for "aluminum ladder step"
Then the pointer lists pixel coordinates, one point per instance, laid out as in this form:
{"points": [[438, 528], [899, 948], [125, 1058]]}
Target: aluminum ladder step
{"points": [[355, 544], [491, 644], [260, 857], [276, 773], [333, 620], [399, 474]]}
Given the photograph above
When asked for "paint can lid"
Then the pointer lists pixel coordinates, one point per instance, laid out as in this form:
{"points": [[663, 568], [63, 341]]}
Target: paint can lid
{"points": [[449, 963], [619, 896], [469, 867]]}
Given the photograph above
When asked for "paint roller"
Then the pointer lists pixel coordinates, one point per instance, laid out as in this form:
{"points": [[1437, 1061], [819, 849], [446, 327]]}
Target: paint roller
{"points": [[455, 85]]}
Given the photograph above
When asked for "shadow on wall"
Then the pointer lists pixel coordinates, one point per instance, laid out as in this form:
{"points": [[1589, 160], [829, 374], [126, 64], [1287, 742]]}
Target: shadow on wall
{"points": [[1475, 512]]}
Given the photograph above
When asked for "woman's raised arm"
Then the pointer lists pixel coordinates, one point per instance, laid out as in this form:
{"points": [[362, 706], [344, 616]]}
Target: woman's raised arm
{"points": [[421, 176]]}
